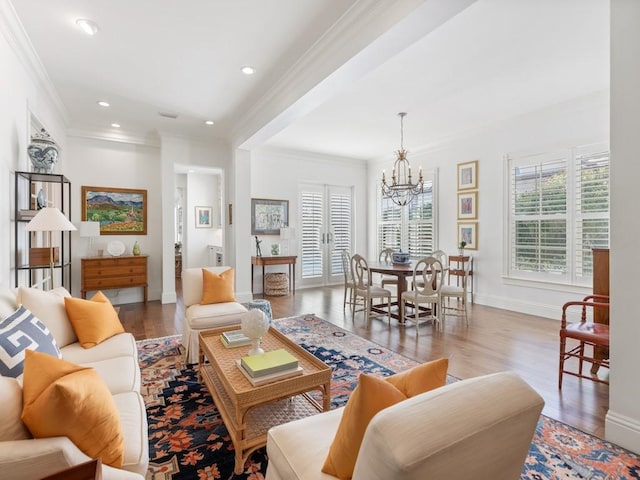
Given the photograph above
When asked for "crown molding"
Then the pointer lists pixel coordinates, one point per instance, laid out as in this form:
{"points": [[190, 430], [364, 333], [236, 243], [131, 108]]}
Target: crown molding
{"points": [[19, 41], [123, 137], [308, 155]]}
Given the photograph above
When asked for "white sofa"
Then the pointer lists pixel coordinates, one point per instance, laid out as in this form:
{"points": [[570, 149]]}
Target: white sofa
{"points": [[198, 317], [477, 428], [115, 360]]}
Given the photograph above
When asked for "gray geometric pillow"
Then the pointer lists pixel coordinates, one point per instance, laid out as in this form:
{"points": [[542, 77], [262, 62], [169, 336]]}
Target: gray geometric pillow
{"points": [[19, 332]]}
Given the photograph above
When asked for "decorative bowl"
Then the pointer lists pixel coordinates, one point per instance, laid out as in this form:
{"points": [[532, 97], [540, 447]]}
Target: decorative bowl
{"points": [[400, 257]]}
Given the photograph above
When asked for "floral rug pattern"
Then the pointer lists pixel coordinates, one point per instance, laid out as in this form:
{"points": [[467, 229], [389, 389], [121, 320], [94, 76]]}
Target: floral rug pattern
{"points": [[188, 440]]}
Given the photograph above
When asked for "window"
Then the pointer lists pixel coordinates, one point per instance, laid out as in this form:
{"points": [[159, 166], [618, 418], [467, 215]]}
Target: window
{"points": [[409, 228], [558, 212]]}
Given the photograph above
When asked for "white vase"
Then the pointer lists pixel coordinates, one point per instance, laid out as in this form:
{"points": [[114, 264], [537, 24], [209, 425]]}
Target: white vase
{"points": [[461, 252], [254, 325]]}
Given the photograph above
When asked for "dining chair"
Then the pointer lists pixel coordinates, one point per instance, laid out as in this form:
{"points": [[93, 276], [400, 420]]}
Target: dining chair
{"points": [[386, 256], [459, 292], [587, 334], [348, 278], [427, 282], [363, 288], [442, 257]]}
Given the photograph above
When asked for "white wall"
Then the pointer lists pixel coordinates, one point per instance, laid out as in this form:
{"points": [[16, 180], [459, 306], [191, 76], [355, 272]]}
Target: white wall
{"points": [[101, 163], [203, 190], [623, 419], [579, 122], [22, 93], [278, 175]]}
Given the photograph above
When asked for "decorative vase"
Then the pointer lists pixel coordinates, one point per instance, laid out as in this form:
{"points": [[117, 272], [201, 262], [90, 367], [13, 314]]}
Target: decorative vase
{"points": [[43, 152], [136, 249], [254, 325]]}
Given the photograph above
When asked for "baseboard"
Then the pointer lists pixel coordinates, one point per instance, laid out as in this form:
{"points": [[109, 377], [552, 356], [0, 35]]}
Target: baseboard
{"points": [[623, 431], [529, 308]]}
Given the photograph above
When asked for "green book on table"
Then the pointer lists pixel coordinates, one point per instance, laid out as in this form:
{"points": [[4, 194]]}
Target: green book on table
{"points": [[269, 362]]}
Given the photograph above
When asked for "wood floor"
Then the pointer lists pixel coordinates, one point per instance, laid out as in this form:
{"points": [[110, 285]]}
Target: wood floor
{"points": [[496, 340]]}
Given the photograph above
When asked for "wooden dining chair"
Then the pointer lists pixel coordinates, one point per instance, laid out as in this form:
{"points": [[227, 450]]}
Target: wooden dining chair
{"points": [[348, 279], [457, 292], [587, 333], [364, 289], [386, 256], [427, 282]]}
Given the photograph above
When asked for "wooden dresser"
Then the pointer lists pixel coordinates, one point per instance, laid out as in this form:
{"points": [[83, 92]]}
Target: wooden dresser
{"points": [[108, 273]]}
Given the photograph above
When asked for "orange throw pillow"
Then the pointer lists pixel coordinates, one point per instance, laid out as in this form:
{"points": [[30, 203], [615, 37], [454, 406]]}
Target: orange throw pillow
{"points": [[63, 399], [217, 288], [93, 320], [421, 378], [370, 396]]}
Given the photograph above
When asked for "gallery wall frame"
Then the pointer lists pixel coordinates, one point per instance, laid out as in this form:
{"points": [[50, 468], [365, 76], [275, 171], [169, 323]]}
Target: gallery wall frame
{"points": [[468, 232], [268, 215], [120, 211], [204, 217], [467, 205], [468, 175]]}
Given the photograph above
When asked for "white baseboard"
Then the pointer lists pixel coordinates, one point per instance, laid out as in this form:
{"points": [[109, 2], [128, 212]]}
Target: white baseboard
{"points": [[529, 308], [623, 431]]}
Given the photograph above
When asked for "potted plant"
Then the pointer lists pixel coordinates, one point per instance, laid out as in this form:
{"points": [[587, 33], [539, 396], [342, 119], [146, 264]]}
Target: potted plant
{"points": [[461, 247]]}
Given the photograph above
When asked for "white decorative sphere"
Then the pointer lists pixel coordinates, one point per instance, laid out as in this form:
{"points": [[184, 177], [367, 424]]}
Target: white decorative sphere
{"points": [[255, 324]]}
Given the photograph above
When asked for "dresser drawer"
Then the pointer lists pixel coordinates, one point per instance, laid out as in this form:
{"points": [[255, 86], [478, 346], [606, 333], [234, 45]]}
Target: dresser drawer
{"points": [[114, 282], [93, 271], [114, 262]]}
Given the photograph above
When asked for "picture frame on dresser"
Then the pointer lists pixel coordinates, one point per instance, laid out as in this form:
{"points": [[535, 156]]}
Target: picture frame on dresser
{"points": [[120, 211]]}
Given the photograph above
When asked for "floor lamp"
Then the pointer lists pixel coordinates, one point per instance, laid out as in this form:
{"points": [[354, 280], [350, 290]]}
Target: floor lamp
{"points": [[50, 219]]}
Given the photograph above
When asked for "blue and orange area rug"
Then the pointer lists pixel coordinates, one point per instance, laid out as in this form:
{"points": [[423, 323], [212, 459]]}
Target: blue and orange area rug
{"points": [[188, 440]]}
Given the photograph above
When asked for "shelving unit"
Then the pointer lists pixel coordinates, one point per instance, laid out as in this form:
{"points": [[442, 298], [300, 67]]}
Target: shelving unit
{"points": [[57, 192]]}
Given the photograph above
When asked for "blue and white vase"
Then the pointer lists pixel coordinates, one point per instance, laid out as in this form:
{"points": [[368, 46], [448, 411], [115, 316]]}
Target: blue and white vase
{"points": [[43, 152]]}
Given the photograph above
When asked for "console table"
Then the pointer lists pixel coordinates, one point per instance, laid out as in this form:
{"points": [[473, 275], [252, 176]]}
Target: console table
{"points": [[109, 273], [279, 260]]}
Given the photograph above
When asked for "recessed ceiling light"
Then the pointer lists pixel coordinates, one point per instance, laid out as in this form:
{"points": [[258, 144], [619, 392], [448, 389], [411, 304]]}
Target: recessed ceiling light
{"points": [[88, 26], [102, 103], [115, 125], [209, 122], [247, 70]]}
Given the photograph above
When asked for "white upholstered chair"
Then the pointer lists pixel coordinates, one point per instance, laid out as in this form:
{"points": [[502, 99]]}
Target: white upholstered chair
{"points": [[457, 292], [427, 282], [364, 289]]}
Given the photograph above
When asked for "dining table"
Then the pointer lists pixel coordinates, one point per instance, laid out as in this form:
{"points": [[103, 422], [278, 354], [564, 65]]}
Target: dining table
{"points": [[401, 271]]}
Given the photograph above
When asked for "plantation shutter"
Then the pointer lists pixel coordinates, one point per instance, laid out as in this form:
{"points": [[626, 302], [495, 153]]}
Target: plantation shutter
{"points": [[539, 215], [311, 225], [591, 206], [340, 215], [389, 225], [420, 223]]}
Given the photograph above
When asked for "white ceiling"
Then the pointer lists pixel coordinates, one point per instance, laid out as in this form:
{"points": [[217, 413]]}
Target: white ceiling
{"points": [[495, 60]]}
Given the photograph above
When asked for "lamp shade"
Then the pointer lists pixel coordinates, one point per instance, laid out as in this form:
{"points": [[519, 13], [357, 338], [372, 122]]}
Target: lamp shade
{"points": [[89, 229], [49, 219]]}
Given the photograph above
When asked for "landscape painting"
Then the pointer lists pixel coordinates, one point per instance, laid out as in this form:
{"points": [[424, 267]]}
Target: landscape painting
{"points": [[120, 211]]}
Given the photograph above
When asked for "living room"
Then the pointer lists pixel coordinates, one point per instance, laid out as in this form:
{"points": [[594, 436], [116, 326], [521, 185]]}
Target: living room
{"points": [[143, 163]]}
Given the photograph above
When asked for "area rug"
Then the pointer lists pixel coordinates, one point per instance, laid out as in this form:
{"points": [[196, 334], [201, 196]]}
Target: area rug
{"points": [[188, 440]]}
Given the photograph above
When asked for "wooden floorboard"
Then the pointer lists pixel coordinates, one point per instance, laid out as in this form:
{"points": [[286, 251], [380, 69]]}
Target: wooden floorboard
{"points": [[495, 340]]}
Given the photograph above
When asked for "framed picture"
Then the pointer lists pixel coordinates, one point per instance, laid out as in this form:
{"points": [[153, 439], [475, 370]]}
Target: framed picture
{"points": [[120, 211], [267, 216], [203, 217], [468, 175], [468, 232], [468, 206]]}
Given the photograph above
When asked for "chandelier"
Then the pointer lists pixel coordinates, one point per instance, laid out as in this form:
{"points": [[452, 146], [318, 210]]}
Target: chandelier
{"points": [[401, 190]]}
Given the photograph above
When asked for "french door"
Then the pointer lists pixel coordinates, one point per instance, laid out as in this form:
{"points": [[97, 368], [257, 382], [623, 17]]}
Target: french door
{"points": [[326, 224]]}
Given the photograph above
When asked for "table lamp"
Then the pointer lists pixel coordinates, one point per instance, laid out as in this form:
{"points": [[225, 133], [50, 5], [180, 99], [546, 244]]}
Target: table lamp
{"points": [[50, 219], [90, 230]]}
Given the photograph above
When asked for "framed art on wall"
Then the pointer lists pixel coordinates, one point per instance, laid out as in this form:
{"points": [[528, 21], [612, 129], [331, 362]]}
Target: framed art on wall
{"points": [[468, 206], [468, 232], [267, 216], [120, 211], [468, 175], [203, 217]]}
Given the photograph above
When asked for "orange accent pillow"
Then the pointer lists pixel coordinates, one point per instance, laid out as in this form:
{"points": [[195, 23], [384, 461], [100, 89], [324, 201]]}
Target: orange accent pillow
{"points": [[421, 378], [93, 320], [217, 288], [370, 396], [63, 399]]}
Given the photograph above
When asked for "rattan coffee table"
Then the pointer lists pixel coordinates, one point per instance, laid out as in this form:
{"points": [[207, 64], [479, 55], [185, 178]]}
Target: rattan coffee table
{"points": [[247, 411]]}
